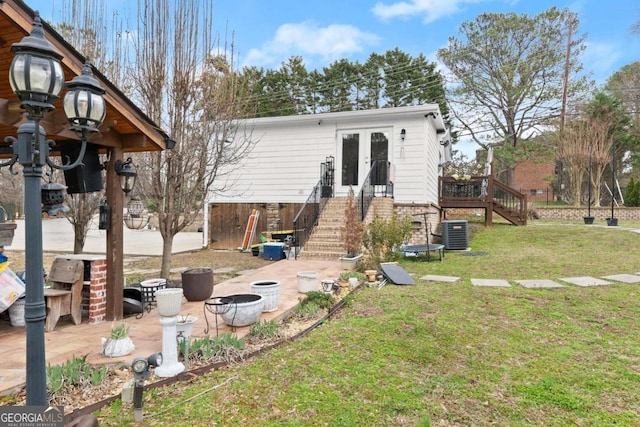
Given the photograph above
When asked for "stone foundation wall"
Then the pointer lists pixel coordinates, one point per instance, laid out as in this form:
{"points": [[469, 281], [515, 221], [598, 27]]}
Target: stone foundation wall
{"points": [[602, 213]]}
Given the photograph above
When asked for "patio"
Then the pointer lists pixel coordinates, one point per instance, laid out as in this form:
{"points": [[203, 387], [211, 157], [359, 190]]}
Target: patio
{"points": [[85, 339]]}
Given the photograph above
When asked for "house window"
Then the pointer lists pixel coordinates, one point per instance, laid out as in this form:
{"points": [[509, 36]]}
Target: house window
{"points": [[350, 153], [533, 192]]}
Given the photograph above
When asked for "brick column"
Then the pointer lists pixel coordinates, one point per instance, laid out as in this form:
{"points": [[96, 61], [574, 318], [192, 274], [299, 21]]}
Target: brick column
{"points": [[98, 291]]}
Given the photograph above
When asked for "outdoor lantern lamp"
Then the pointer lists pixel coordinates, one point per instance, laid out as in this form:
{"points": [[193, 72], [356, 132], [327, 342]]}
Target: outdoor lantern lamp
{"points": [[36, 77], [84, 103], [403, 134], [127, 173], [141, 372]]}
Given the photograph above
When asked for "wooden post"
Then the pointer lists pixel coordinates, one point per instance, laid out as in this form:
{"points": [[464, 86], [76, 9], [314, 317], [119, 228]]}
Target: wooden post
{"points": [[115, 244]]}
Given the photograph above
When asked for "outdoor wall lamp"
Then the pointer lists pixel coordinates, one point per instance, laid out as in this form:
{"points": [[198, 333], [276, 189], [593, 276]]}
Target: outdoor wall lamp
{"points": [[127, 173], [36, 77], [141, 372], [104, 216], [403, 134]]}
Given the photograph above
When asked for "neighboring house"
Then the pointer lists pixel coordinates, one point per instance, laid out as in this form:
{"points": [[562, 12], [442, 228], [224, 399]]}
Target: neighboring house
{"points": [[533, 178], [292, 152]]}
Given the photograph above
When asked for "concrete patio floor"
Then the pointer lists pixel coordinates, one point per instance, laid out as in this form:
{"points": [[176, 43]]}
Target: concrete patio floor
{"points": [[68, 339]]}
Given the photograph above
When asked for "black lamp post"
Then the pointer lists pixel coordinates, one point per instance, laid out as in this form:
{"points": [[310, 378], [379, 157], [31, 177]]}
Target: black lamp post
{"points": [[36, 77], [589, 219], [613, 220]]}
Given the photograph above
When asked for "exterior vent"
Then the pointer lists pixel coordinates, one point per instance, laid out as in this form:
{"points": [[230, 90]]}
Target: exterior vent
{"points": [[455, 235]]}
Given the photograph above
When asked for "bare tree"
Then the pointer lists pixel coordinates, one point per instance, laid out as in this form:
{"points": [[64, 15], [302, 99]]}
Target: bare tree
{"points": [[188, 84], [83, 25], [585, 144]]}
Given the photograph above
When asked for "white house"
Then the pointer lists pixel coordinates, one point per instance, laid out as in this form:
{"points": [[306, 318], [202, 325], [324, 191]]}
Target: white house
{"points": [[285, 164]]}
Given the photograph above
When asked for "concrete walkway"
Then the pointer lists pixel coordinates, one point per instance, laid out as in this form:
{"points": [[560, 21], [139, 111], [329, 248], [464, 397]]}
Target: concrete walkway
{"points": [[57, 236]]}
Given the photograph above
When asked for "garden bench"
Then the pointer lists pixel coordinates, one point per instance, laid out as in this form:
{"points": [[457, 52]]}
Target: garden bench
{"points": [[64, 296]]}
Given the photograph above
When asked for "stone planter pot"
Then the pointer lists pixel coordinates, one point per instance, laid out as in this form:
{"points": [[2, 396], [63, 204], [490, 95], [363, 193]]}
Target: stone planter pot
{"points": [[169, 301], [588, 219], [349, 263], [270, 290], [244, 309], [612, 222], [117, 348], [197, 284], [184, 325], [16, 312], [307, 281]]}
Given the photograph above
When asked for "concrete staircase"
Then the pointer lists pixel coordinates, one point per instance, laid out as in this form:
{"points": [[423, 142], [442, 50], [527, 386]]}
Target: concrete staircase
{"points": [[326, 241]]}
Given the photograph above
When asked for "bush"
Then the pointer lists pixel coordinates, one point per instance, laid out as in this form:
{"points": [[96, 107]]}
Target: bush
{"points": [[383, 237], [632, 193]]}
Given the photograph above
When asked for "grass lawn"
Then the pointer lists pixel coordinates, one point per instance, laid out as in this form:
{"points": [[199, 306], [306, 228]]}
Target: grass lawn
{"points": [[448, 354]]}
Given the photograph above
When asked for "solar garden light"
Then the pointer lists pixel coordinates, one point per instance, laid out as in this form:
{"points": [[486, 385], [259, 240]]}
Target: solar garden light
{"points": [[141, 372]]}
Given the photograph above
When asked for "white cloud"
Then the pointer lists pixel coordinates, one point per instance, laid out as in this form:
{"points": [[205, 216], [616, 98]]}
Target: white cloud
{"points": [[601, 59], [429, 10], [307, 39]]}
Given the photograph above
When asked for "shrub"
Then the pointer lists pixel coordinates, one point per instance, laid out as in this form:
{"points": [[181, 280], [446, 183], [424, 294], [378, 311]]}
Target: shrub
{"points": [[383, 237], [353, 229]]}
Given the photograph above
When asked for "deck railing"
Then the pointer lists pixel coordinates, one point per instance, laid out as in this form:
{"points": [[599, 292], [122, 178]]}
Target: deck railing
{"points": [[483, 192]]}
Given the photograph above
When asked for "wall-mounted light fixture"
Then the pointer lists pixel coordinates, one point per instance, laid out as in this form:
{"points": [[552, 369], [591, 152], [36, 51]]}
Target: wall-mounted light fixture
{"points": [[127, 173], [104, 217], [403, 134]]}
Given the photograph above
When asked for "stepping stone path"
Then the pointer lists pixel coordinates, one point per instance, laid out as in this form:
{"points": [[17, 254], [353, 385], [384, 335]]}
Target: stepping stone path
{"points": [[625, 278], [585, 281], [496, 283], [435, 278], [544, 283]]}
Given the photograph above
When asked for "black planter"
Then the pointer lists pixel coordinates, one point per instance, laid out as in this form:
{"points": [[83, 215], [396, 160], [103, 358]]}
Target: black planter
{"points": [[612, 222], [588, 219], [197, 284]]}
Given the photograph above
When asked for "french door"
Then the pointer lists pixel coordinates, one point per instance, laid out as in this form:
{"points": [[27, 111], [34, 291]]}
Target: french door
{"points": [[357, 150]]}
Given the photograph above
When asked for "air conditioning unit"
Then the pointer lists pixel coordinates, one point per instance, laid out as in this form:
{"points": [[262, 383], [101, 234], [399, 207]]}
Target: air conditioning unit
{"points": [[455, 234]]}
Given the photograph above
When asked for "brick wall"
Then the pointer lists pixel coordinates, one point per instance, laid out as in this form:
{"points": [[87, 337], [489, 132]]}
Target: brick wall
{"points": [[419, 231], [529, 178]]}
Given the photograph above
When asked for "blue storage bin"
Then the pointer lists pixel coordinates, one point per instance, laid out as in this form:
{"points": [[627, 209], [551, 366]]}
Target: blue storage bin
{"points": [[273, 251]]}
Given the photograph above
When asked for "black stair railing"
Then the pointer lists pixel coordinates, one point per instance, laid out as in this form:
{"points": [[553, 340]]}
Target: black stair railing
{"points": [[307, 217], [377, 183]]}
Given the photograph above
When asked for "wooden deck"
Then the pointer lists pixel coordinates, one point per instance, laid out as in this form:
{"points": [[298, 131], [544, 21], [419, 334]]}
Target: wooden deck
{"points": [[483, 192]]}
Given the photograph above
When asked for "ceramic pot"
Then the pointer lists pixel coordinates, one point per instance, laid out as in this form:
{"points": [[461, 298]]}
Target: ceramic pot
{"points": [[197, 284], [270, 290], [117, 348], [169, 301], [184, 325], [244, 309]]}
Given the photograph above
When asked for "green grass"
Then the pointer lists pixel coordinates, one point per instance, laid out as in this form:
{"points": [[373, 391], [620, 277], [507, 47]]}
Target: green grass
{"points": [[448, 353]]}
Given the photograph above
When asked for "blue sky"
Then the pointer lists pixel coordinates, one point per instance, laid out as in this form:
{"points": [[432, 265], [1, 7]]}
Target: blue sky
{"points": [[267, 32]]}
